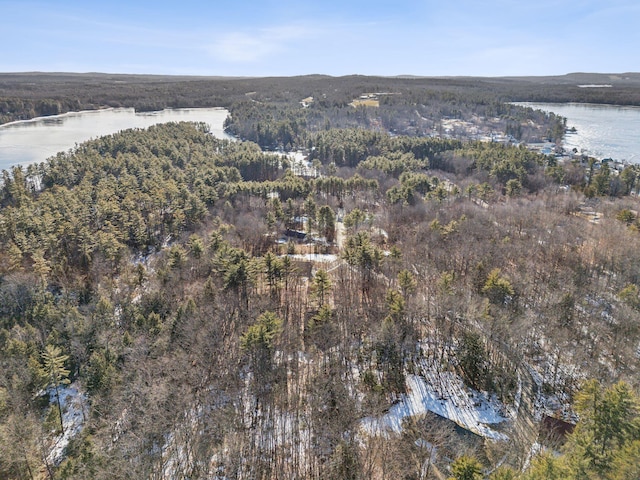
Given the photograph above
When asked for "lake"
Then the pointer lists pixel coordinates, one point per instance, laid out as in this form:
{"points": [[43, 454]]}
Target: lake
{"points": [[40, 138], [602, 131]]}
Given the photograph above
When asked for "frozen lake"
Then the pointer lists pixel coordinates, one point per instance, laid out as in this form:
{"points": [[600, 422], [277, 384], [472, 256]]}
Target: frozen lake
{"points": [[602, 131], [36, 140]]}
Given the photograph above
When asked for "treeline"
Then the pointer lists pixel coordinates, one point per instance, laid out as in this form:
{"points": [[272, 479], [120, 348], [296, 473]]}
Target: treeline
{"points": [[269, 112], [13, 109], [617, 95], [350, 147]]}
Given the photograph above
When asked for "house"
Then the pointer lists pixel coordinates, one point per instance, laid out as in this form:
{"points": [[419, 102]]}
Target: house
{"points": [[295, 234]]}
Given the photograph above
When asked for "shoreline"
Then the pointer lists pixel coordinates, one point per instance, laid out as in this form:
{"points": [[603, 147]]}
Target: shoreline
{"points": [[603, 131], [103, 109], [577, 104], [24, 142]]}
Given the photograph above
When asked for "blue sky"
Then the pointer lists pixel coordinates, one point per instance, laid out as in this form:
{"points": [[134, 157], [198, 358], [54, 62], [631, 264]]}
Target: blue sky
{"points": [[335, 37]]}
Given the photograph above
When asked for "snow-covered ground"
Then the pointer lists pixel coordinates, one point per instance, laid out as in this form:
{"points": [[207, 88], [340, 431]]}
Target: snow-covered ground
{"points": [[446, 396], [300, 165], [315, 257], [75, 408]]}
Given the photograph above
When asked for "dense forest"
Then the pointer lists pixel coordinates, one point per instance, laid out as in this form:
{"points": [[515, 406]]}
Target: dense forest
{"points": [[403, 304]]}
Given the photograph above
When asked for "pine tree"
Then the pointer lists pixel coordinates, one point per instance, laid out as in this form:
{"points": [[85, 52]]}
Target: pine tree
{"points": [[497, 288], [321, 286], [548, 467], [54, 373], [407, 283], [608, 422], [466, 468]]}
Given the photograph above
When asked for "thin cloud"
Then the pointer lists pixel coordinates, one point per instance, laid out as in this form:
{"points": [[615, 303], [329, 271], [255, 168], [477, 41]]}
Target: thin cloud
{"points": [[249, 47], [286, 37]]}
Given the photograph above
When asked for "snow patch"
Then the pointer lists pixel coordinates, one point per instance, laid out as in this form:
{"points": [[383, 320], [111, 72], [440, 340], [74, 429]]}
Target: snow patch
{"points": [[315, 257], [300, 164], [75, 408], [468, 408]]}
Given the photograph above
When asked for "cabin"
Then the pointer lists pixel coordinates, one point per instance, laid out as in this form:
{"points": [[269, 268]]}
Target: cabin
{"points": [[295, 234]]}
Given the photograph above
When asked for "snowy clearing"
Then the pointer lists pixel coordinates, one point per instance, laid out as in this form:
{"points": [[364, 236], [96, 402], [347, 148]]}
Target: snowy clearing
{"points": [[468, 408]]}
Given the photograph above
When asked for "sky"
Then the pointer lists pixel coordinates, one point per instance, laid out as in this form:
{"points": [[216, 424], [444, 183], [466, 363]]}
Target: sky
{"points": [[333, 37]]}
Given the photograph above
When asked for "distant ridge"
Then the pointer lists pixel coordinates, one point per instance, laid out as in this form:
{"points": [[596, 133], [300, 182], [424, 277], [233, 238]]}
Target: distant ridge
{"points": [[629, 78], [578, 78], [29, 94]]}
